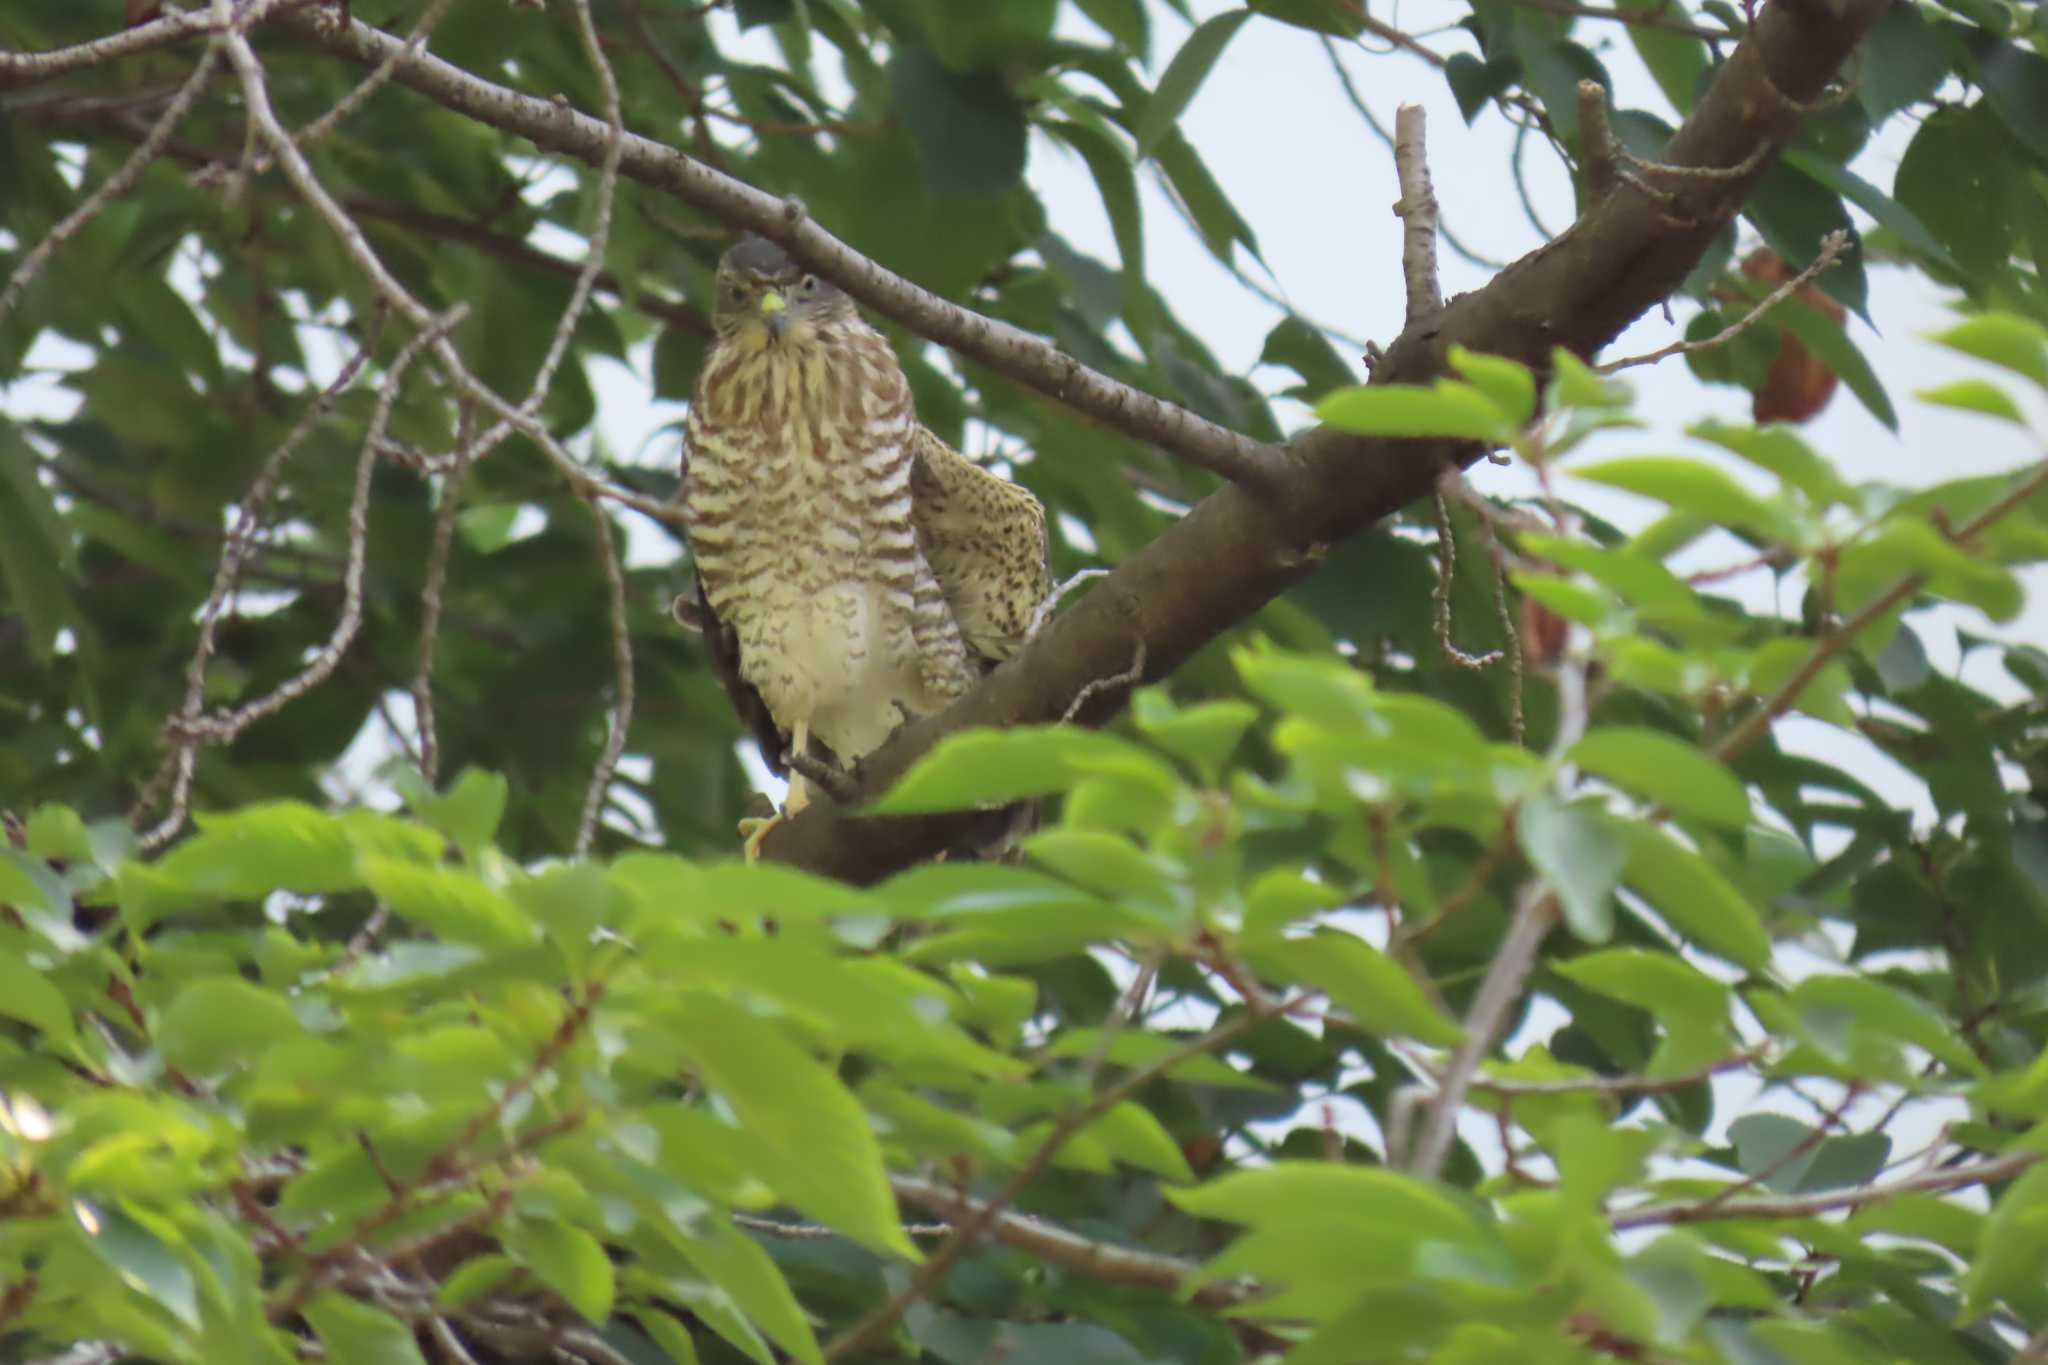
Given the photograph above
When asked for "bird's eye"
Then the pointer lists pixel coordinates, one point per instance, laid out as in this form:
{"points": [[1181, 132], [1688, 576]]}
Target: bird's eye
{"points": [[807, 286]]}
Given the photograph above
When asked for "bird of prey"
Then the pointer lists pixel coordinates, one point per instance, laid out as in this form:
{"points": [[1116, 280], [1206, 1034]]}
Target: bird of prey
{"points": [[852, 569]]}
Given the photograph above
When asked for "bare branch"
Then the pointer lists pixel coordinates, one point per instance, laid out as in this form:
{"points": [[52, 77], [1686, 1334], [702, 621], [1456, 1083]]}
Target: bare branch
{"points": [[1534, 915], [1129, 677], [1071, 1251], [113, 187], [1446, 570], [1644, 18], [1596, 140], [1985, 1172], [1758, 722], [1620, 1087], [622, 681], [1012, 352], [29, 68], [430, 601], [1831, 248], [1417, 212]]}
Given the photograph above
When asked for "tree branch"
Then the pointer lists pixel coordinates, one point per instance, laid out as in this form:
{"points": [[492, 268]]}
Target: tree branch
{"points": [[1807, 1205], [1237, 549], [1416, 209], [1008, 350]]}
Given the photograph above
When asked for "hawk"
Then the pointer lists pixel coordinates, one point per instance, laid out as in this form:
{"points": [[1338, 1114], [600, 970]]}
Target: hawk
{"points": [[852, 569]]}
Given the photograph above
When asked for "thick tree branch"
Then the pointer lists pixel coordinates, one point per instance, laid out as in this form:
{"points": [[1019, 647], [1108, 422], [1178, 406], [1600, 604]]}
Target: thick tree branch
{"points": [[1237, 549], [1233, 552], [1010, 351]]}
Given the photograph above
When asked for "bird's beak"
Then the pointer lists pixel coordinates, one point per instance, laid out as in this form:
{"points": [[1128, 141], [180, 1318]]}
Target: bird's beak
{"points": [[774, 312]]}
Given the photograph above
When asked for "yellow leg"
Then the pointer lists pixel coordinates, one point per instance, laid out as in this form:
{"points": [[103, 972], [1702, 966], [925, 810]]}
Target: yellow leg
{"points": [[753, 830]]}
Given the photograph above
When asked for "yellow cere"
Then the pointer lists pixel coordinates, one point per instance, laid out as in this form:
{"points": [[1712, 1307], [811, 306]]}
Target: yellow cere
{"points": [[772, 303]]}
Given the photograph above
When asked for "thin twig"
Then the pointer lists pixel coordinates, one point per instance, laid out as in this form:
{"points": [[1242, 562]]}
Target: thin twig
{"points": [[622, 681], [1534, 915], [430, 601], [969, 1228], [1447, 564], [114, 186], [1058, 594], [1104, 1261], [1417, 210], [1619, 1087], [1808, 1205], [1758, 722], [1005, 348], [1596, 140], [1632, 18], [1130, 677], [1831, 248], [1380, 131]]}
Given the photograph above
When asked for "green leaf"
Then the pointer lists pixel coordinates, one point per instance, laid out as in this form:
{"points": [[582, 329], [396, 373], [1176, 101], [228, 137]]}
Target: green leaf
{"points": [[27, 995], [1902, 546], [1363, 1197], [2014, 343], [214, 1024], [1676, 61], [1203, 735], [1688, 486], [1508, 383], [1367, 984], [1694, 898], [1216, 218], [1446, 409], [1667, 771], [146, 1252], [1904, 62], [353, 1330], [567, 1260], [1781, 451], [1794, 212], [1958, 178], [1338, 18], [1305, 350], [1975, 395], [1664, 984], [737, 1264], [271, 846], [1886, 210], [995, 767], [1108, 864], [1124, 20], [36, 554], [2015, 1244], [1129, 1133], [1184, 76], [452, 902], [2015, 82], [1579, 850], [969, 129], [813, 1140], [1115, 181], [468, 812], [668, 1333], [1827, 339]]}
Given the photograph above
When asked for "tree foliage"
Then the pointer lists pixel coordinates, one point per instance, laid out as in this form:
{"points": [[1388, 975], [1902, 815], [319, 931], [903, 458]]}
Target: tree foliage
{"points": [[1464, 968]]}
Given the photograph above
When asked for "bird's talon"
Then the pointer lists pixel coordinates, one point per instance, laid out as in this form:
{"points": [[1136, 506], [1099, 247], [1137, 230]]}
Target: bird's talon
{"points": [[753, 830]]}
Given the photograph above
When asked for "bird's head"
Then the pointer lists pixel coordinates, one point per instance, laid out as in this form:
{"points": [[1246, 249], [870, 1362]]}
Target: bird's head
{"points": [[766, 299]]}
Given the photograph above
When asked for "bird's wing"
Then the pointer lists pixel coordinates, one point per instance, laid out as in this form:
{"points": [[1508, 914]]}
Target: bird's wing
{"points": [[985, 540]]}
